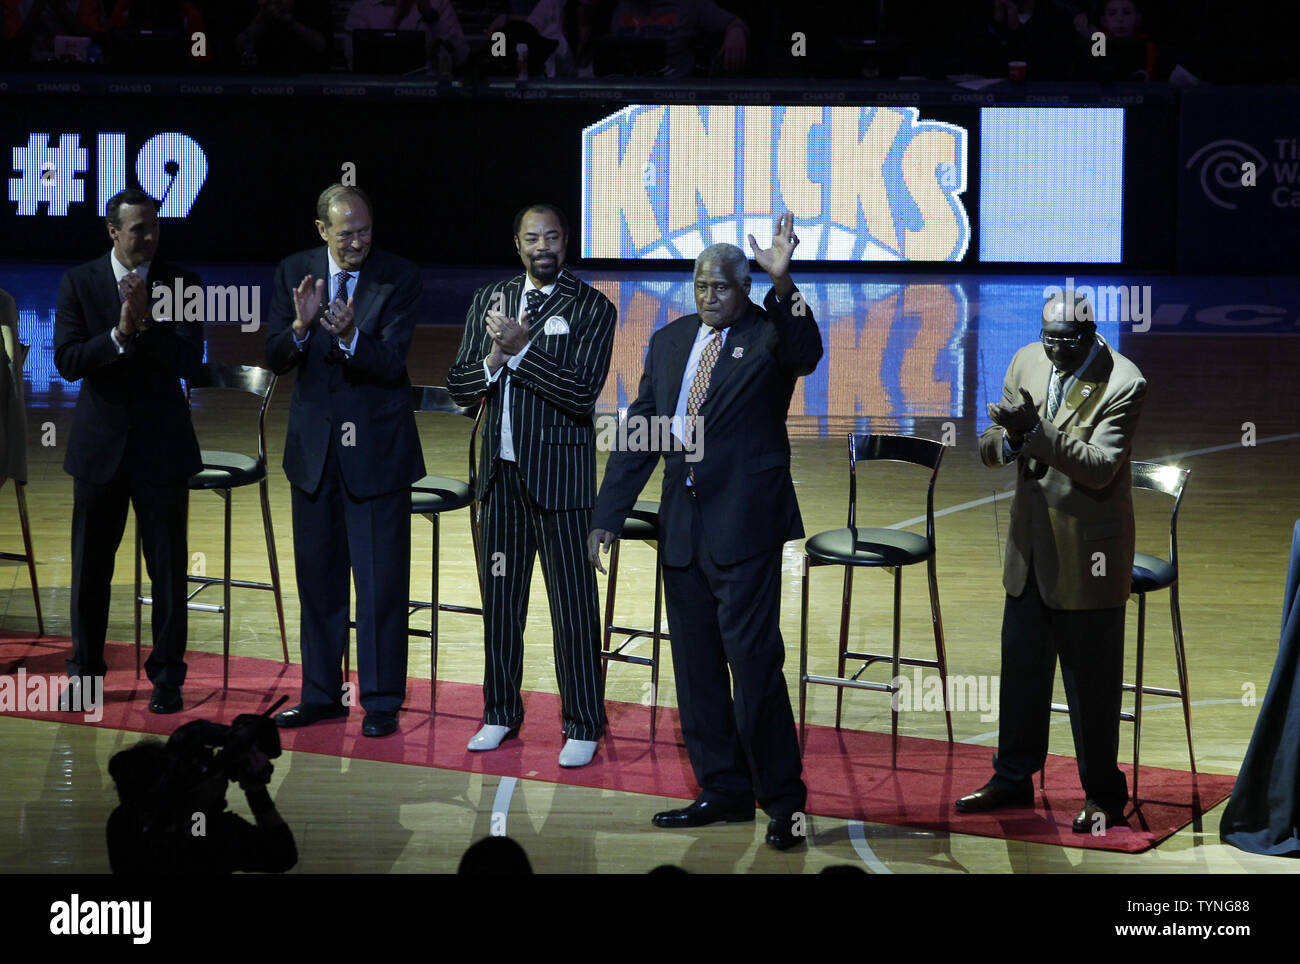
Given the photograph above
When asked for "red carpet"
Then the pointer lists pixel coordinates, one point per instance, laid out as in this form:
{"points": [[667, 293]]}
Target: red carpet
{"points": [[847, 772]]}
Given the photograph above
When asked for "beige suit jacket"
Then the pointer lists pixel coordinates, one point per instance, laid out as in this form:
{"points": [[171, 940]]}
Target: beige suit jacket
{"points": [[1072, 515]]}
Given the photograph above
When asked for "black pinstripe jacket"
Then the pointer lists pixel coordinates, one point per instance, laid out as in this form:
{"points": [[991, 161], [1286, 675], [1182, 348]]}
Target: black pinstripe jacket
{"points": [[553, 392]]}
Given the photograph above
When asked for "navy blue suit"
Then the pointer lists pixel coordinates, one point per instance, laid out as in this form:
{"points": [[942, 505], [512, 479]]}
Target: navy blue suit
{"points": [[720, 542], [351, 453], [132, 441]]}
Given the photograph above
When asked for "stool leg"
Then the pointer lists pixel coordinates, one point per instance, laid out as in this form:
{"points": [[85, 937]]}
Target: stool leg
{"points": [[803, 649], [19, 488], [274, 562], [1180, 658], [1137, 691], [227, 495], [941, 653], [433, 618], [658, 634], [610, 592], [137, 598], [845, 606], [898, 628]]}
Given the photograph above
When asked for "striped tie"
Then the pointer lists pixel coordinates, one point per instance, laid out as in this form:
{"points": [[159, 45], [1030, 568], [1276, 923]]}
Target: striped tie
{"points": [[1055, 393]]}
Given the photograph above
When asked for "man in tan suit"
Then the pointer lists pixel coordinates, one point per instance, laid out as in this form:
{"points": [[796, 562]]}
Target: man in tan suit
{"points": [[1069, 556]]}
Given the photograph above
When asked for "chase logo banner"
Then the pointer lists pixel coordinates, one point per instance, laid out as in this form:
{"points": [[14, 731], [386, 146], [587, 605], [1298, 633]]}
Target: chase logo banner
{"points": [[863, 183]]}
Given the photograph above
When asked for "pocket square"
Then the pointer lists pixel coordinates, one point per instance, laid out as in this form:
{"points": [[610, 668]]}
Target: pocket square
{"points": [[556, 325]]}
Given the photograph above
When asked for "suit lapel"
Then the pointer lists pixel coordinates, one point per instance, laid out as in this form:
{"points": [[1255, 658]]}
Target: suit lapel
{"points": [[110, 298], [364, 297], [677, 351], [1088, 385]]}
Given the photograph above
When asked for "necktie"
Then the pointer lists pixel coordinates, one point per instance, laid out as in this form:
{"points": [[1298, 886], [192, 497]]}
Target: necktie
{"points": [[341, 286], [700, 384], [1055, 393], [535, 299]]}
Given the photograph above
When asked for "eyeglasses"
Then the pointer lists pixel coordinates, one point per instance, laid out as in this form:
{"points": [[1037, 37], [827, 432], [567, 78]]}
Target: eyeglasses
{"points": [[1064, 341]]}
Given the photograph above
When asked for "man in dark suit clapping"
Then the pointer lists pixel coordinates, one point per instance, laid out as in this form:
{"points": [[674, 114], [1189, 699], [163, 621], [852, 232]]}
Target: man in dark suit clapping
{"points": [[343, 315], [132, 439], [724, 376], [538, 346]]}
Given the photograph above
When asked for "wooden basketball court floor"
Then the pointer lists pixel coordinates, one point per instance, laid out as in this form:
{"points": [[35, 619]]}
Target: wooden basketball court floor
{"points": [[353, 816]]}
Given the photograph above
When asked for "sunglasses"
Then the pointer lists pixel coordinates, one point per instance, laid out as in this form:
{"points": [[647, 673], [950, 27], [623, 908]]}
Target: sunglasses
{"points": [[1064, 341]]}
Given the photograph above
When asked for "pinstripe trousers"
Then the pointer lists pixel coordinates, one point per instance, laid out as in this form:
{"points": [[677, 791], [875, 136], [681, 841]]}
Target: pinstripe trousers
{"points": [[515, 530]]}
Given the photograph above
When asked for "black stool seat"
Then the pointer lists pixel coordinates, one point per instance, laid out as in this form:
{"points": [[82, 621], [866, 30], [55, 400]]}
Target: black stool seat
{"points": [[433, 493], [1151, 573], [871, 547], [642, 522], [227, 470]]}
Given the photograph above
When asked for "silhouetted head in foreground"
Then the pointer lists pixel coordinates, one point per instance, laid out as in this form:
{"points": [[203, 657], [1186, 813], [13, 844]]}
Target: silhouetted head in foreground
{"points": [[495, 857]]}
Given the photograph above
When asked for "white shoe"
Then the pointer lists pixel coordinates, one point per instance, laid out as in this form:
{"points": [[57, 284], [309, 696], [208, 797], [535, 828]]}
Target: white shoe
{"points": [[577, 753], [491, 736]]}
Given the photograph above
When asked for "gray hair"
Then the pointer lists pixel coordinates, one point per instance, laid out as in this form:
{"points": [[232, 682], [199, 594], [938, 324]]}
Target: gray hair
{"points": [[726, 256]]}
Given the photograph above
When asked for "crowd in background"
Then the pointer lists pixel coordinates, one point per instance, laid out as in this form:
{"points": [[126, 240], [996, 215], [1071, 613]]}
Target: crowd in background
{"points": [[1218, 41]]}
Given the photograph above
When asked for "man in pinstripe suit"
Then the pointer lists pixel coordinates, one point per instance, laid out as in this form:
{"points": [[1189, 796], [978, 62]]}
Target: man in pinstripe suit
{"points": [[538, 346]]}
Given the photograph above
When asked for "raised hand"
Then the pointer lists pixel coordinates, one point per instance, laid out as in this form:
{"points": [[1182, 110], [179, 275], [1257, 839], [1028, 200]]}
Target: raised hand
{"points": [[776, 259], [307, 298], [505, 332], [337, 320]]}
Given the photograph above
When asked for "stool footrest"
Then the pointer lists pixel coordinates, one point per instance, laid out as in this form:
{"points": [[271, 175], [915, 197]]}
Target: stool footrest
{"points": [[619, 657], [855, 683], [1154, 691]]}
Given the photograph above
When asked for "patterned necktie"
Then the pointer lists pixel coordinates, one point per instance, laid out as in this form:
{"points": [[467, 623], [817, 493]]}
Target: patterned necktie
{"points": [[700, 384], [535, 299], [1055, 393], [341, 286]]}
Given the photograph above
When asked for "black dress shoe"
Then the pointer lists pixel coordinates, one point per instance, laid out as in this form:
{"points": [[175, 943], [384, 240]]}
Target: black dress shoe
{"points": [[379, 724], [1094, 815], [166, 701], [701, 813], [305, 714], [786, 832], [993, 795]]}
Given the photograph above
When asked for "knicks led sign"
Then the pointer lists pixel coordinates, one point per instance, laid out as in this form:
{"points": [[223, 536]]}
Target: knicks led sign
{"points": [[863, 183]]}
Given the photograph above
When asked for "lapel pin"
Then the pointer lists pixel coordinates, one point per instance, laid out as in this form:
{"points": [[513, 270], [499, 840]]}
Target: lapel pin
{"points": [[738, 352], [1085, 391]]}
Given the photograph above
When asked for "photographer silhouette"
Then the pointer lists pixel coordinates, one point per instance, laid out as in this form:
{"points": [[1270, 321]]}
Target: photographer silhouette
{"points": [[173, 817]]}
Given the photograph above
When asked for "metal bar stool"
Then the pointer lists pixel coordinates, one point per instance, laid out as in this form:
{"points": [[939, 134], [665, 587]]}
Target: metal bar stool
{"points": [[643, 524], [222, 473], [1151, 574], [430, 497], [892, 549]]}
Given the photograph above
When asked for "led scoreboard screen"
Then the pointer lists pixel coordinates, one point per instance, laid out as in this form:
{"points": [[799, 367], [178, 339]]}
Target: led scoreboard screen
{"points": [[863, 183]]}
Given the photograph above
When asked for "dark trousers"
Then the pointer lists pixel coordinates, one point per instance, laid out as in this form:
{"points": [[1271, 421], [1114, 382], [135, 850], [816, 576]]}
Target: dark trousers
{"points": [[98, 521], [742, 744], [1090, 644], [334, 533], [515, 529]]}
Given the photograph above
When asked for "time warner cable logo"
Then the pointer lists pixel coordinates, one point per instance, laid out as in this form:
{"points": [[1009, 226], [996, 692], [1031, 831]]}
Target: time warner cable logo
{"points": [[863, 183]]}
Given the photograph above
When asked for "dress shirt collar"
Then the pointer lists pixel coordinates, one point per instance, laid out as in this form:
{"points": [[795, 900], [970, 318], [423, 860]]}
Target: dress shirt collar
{"points": [[120, 270]]}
